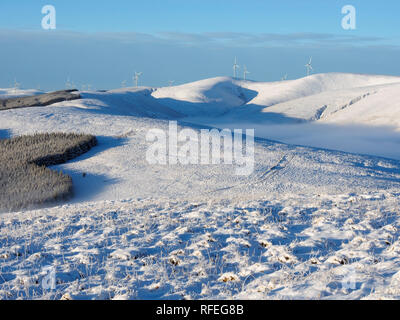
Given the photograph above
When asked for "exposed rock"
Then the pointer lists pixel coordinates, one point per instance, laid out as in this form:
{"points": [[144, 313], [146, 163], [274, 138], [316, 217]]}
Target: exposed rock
{"points": [[39, 100]]}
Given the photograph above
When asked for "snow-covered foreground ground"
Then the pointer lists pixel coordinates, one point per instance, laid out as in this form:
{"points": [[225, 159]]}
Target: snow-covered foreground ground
{"points": [[307, 223], [304, 247]]}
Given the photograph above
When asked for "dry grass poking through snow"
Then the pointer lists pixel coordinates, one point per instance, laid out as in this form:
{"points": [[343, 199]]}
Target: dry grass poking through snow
{"points": [[292, 247], [24, 178]]}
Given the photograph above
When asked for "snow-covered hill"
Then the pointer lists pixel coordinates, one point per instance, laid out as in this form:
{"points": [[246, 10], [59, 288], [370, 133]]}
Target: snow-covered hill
{"points": [[306, 223], [311, 98], [347, 112], [321, 105], [278, 92], [210, 97]]}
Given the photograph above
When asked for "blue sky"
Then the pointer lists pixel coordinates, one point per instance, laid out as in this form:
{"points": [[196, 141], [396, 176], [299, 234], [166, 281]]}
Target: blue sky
{"points": [[103, 42]]}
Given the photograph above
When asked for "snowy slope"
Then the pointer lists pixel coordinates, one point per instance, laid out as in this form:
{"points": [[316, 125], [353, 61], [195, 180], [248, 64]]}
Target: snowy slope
{"points": [[303, 223], [127, 101], [277, 92], [381, 108], [117, 168], [121, 118], [215, 96], [347, 112], [209, 97]]}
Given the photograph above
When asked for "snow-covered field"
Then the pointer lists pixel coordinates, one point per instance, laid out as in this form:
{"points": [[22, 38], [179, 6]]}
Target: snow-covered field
{"points": [[307, 223], [294, 246]]}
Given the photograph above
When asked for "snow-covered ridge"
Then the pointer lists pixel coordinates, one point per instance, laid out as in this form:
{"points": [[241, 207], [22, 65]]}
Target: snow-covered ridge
{"points": [[348, 112], [320, 97], [226, 93], [206, 97], [317, 97], [278, 92]]}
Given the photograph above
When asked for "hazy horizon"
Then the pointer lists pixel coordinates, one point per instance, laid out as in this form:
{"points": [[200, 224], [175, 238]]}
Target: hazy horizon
{"points": [[103, 45]]}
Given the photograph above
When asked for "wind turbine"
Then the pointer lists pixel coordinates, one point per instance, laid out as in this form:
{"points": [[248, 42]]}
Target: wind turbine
{"points": [[235, 67], [309, 67], [245, 71], [171, 82], [136, 77], [16, 85], [284, 77], [68, 84]]}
